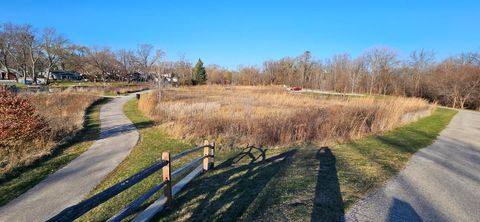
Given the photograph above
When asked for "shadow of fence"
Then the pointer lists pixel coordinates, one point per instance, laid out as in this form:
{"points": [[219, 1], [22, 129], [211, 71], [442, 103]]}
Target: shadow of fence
{"points": [[226, 193]]}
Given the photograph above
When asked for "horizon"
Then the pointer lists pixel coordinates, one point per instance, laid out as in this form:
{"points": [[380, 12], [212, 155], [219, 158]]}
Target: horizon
{"points": [[232, 34]]}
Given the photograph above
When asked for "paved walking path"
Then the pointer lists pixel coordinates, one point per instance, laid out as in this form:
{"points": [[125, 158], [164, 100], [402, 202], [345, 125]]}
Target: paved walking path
{"points": [[440, 183], [70, 184]]}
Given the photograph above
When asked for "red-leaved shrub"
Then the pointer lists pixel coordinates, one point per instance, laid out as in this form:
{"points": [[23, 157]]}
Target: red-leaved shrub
{"points": [[23, 133]]}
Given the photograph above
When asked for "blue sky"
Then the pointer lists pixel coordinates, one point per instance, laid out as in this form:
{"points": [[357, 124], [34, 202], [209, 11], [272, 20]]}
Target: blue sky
{"points": [[231, 33]]}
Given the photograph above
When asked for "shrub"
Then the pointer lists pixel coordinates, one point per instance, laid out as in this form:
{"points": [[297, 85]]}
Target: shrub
{"points": [[23, 132]]}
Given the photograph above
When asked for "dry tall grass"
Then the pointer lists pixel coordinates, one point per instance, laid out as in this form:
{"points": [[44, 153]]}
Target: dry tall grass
{"points": [[64, 112], [107, 89], [33, 124], [271, 116]]}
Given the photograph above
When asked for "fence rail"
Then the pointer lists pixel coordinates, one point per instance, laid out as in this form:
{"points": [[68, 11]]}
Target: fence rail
{"points": [[73, 212]]}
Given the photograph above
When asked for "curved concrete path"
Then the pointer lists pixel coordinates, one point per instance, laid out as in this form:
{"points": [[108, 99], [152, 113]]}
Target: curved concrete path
{"points": [[440, 183], [73, 182]]}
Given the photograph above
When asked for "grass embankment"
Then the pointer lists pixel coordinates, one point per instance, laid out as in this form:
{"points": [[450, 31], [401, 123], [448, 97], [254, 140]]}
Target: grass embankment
{"points": [[313, 184], [14, 183]]}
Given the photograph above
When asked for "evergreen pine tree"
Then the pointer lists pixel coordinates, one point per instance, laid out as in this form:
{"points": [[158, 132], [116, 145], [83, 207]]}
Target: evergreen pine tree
{"points": [[199, 74]]}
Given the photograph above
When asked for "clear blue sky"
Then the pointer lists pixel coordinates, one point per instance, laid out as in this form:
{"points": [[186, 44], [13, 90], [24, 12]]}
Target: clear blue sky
{"points": [[230, 33]]}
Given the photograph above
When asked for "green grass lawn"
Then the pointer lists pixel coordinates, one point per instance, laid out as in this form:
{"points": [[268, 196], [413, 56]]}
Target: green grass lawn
{"points": [[282, 184], [18, 85], [20, 180]]}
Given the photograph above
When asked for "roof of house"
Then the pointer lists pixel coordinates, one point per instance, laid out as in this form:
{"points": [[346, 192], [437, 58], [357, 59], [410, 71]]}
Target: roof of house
{"points": [[61, 72], [3, 69]]}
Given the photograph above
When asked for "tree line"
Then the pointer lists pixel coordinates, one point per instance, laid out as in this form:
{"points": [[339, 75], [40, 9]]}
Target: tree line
{"points": [[35, 53], [453, 81]]}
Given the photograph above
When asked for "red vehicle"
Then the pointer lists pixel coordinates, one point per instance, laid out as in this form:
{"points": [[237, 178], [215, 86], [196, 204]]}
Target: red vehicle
{"points": [[295, 89]]}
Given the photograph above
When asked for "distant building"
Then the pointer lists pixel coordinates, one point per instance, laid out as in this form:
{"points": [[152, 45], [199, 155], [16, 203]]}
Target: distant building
{"points": [[136, 77], [11, 75], [64, 75], [170, 78]]}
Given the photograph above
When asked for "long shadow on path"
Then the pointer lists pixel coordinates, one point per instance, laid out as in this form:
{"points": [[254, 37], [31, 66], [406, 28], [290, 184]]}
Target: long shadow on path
{"points": [[328, 204], [402, 211]]}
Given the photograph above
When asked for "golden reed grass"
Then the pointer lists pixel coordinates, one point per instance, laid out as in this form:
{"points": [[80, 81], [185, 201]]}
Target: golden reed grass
{"points": [[64, 112], [102, 89], [269, 115]]}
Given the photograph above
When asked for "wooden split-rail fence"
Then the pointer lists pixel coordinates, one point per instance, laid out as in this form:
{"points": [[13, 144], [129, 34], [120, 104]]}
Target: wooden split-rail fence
{"points": [[201, 164]]}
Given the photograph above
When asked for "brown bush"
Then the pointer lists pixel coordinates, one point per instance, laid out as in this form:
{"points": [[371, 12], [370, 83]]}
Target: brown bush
{"points": [[272, 116], [31, 125]]}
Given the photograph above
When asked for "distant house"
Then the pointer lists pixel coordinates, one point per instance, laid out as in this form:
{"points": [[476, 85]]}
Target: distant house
{"points": [[136, 77], [11, 75], [170, 77], [64, 75]]}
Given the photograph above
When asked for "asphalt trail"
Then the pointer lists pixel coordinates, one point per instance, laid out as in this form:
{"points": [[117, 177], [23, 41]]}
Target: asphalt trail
{"points": [[440, 183]]}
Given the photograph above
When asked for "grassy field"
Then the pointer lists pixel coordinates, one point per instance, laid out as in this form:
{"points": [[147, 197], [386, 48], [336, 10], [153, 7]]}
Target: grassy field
{"points": [[281, 184], [20, 180]]}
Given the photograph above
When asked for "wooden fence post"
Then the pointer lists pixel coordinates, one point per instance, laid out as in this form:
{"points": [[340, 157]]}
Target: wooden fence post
{"points": [[206, 155], [212, 155], [167, 177]]}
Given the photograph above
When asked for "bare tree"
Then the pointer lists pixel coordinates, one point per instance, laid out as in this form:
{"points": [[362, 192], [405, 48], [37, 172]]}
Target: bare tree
{"points": [[74, 58], [15, 50], [183, 68], [147, 57], [248, 75], [6, 46], [305, 67], [103, 60], [289, 71], [52, 46], [357, 69], [340, 71], [31, 46], [380, 63], [127, 61], [272, 72], [218, 75], [419, 63]]}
